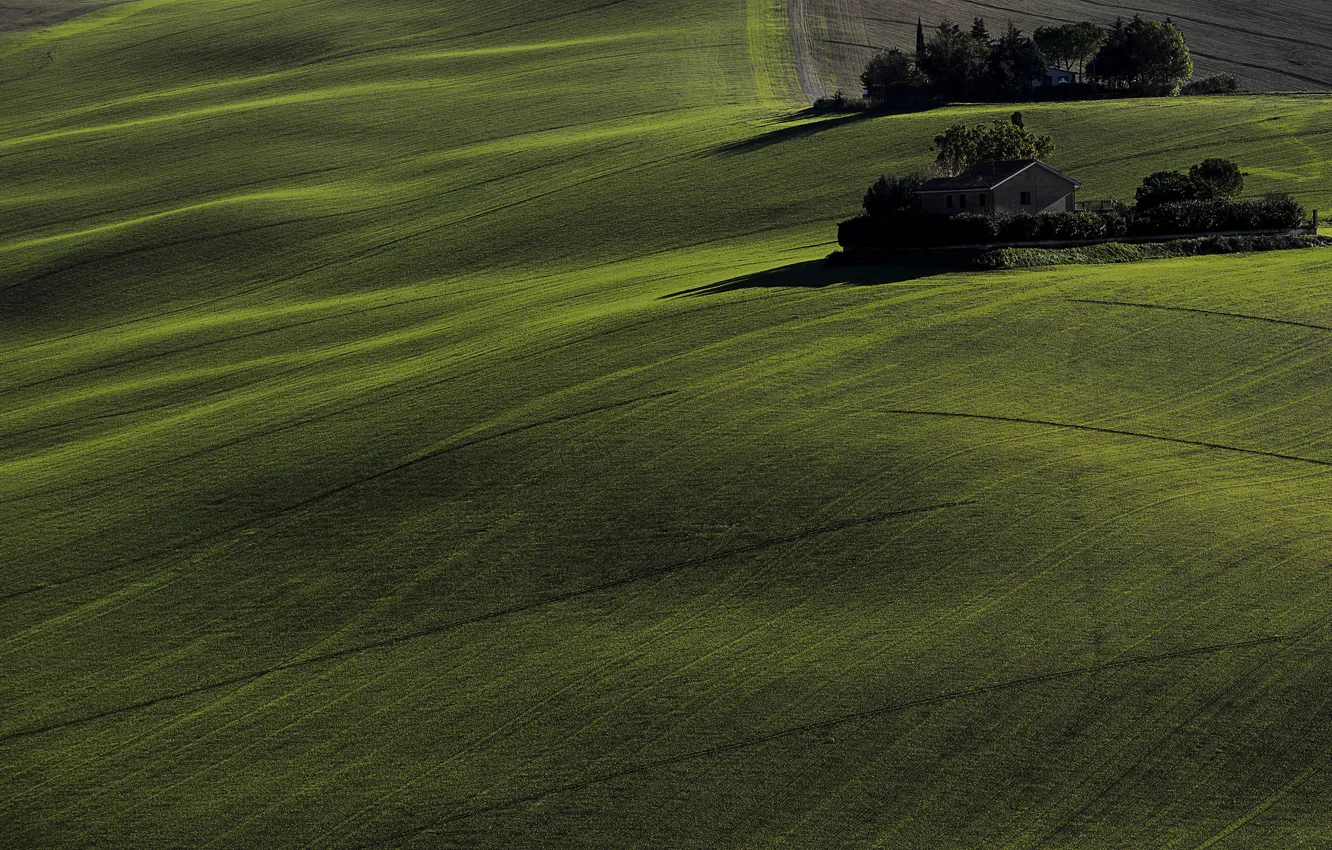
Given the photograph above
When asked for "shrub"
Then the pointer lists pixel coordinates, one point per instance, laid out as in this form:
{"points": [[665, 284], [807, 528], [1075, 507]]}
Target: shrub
{"points": [[889, 196], [1170, 187], [1208, 180], [1222, 176], [887, 70], [1215, 84], [970, 228], [1022, 227], [1276, 213], [1117, 222], [1115, 252]]}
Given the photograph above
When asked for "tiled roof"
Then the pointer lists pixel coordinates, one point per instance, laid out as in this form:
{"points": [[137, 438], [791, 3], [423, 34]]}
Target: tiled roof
{"points": [[984, 176]]}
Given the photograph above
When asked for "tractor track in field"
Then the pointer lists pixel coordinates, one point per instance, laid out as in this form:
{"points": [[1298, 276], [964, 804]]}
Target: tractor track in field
{"points": [[196, 240], [1201, 311], [322, 265], [330, 492], [310, 420], [832, 722], [380, 247], [1192, 146], [1304, 78], [533, 605], [1024, 12], [150, 207], [1218, 24], [1211, 705], [1202, 444], [431, 36]]}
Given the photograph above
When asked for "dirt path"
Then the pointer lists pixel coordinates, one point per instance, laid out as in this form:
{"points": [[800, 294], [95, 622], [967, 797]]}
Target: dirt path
{"points": [[804, 46], [832, 42]]}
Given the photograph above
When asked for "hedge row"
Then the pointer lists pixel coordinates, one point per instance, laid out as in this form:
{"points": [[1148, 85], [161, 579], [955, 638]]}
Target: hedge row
{"points": [[916, 230], [1118, 252], [990, 259], [1217, 216]]}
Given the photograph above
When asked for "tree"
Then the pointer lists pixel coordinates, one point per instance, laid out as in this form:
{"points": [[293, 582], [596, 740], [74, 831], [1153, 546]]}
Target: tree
{"points": [[1145, 56], [979, 32], [1110, 66], [1069, 45], [955, 62], [1016, 63], [1055, 44], [959, 147], [1084, 40], [1222, 175], [1169, 187], [886, 72], [920, 39], [1212, 179], [891, 196], [1162, 57]]}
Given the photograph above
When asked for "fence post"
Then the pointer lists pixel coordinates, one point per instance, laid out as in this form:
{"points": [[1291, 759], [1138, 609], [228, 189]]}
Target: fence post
{"points": [[1315, 222]]}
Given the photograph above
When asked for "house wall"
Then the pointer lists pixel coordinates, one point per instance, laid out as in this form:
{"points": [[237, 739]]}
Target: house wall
{"points": [[1053, 75], [1049, 193], [937, 203]]}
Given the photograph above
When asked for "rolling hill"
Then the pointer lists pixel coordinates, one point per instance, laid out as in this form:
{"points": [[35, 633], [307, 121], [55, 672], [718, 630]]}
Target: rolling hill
{"points": [[436, 430]]}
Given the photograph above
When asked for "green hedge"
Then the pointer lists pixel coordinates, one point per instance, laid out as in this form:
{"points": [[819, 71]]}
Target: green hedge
{"points": [[991, 259], [917, 230], [1281, 213], [1119, 252]]}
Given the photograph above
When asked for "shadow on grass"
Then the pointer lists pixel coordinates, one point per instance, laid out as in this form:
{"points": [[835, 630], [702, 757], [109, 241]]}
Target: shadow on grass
{"points": [[815, 274], [786, 134]]}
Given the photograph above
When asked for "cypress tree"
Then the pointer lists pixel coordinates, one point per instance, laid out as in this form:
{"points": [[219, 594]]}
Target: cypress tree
{"points": [[920, 39]]}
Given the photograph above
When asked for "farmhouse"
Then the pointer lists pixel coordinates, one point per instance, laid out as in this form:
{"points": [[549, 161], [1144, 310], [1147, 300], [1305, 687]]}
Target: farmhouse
{"points": [[1000, 188], [1056, 77]]}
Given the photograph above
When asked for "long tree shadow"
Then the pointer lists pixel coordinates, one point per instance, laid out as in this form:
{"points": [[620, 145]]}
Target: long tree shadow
{"points": [[815, 274], [785, 134]]}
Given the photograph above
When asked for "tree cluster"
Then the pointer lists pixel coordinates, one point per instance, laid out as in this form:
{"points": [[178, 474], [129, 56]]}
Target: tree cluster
{"points": [[1143, 56], [1139, 56], [970, 65], [1210, 180], [1070, 45]]}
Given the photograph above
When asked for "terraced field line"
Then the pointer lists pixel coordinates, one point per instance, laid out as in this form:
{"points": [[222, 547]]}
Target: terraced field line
{"points": [[819, 725], [533, 605], [1116, 431]]}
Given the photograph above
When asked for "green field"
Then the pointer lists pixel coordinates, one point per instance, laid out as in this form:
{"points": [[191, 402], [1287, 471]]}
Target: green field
{"points": [[437, 431]]}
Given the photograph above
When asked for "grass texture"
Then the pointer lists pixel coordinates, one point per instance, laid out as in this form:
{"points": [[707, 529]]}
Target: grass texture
{"points": [[433, 429]]}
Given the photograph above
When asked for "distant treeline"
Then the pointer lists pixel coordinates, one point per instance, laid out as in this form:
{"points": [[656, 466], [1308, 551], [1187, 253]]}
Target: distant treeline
{"points": [[1135, 57]]}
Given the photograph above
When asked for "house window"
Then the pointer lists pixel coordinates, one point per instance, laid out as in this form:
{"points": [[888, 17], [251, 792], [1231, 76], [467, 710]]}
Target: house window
{"points": [[962, 201], [950, 202], [981, 199], [1026, 199]]}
